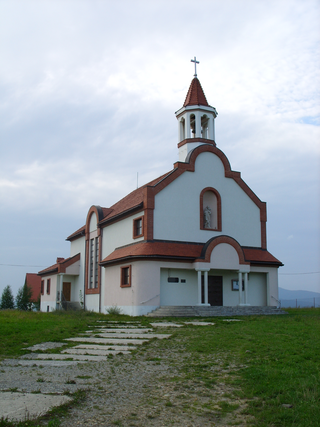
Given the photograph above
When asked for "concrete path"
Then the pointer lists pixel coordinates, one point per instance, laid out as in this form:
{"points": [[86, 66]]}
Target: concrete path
{"points": [[25, 406], [95, 346]]}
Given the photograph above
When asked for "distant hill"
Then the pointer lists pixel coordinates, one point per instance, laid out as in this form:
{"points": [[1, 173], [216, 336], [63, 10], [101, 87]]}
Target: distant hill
{"points": [[298, 298], [286, 294]]}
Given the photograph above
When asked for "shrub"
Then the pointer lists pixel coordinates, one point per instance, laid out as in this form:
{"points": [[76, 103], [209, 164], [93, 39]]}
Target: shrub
{"points": [[114, 310]]}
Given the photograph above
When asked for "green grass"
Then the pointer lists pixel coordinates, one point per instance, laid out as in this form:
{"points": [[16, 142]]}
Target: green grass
{"points": [[20, 329], [277, 360], [273, 362]]}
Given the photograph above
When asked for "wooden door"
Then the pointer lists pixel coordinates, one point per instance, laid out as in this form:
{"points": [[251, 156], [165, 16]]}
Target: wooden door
{"points": [[215, 296], [67, 291]]}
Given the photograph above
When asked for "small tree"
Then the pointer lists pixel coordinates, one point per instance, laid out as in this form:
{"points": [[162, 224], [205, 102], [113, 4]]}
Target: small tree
{"points": [[7, 299], [23, 298]]}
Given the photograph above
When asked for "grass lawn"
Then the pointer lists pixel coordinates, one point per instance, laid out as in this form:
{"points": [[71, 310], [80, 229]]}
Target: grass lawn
{"points": [[272, 361]]}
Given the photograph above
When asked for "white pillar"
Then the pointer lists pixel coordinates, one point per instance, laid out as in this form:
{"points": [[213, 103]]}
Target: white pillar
{"points": [[210, 127], [240, 287], [206, 287], [198, 124], [246, 288], [213, 130], [199, 288], [187, 126]]}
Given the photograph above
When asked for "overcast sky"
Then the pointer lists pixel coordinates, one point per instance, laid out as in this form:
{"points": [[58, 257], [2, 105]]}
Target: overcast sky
{"points": [[88, 91]]}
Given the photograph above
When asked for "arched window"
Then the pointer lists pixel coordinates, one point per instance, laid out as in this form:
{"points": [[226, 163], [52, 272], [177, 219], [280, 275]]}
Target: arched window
{"points": [[204, 127], [210, 209], [193, 125]]}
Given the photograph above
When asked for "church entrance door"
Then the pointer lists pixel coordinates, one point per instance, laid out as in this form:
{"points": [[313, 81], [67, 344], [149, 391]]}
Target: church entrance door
{"points": [[215, 290], [67, 291]]}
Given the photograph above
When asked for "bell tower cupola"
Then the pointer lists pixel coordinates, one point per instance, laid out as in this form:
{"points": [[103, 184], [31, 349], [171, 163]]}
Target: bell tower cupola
{"points": [[195, 119]]}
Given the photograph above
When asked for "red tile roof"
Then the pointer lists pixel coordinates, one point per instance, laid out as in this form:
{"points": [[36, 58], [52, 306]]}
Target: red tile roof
{"points": [[77, 233], [260, 256], [195, 95], [60, 266], [180, 251], [156, 249], [34, 282], [131, 200]]}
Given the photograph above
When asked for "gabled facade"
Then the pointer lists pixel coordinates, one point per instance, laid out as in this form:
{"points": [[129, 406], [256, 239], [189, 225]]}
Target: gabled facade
{"points": [[189, 237]]}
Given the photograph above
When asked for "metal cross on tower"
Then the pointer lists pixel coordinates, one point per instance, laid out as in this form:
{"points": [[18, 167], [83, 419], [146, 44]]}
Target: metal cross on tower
{"points": [[195, 65]]}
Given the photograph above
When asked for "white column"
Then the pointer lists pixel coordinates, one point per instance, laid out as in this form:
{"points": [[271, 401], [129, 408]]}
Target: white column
{"points": [[206, 287], [246, 288], [187, 126], [198, 124], [240, 287], [199, 287], [214, 130], [210, 127]]}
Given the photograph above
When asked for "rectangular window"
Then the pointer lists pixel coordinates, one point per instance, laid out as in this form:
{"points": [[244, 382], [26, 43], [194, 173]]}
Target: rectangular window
{"points": [[125, 276], [173, 279], [91, 270], [96, 270], [42, 287], [138, 227], [235, 285], [48, 286]]}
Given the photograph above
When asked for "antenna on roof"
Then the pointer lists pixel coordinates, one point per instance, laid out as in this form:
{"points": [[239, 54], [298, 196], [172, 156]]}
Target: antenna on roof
{"points": [[195, 65], [137, 179]]}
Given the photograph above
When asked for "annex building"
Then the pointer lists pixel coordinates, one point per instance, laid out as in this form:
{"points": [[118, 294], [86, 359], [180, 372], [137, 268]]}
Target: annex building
{"points": [[193, 236]]}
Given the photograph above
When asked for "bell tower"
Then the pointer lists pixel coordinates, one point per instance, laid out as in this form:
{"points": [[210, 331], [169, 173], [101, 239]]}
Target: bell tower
{"points": [[195, 119]]}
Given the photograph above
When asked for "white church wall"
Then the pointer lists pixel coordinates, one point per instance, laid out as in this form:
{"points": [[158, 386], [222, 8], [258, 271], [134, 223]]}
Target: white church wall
{"points": [[119, 234], [257, 289], [271, 283], [177, 206], [230, 297], [183, 292], [92, 302]]}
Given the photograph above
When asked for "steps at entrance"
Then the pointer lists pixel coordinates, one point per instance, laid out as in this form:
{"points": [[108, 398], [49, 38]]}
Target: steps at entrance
{"points": [[71, 305], [212, 311], [173, 311]]}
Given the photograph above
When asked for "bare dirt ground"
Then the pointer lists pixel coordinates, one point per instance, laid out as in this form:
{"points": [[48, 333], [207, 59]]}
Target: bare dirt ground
{"points": [[149, 389]]}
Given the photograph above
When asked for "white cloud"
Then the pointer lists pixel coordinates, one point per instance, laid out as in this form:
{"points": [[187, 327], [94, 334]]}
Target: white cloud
{"points": [[89, 89]]}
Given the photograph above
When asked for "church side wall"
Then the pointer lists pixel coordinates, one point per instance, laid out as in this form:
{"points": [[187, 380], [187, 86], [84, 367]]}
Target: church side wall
{"points": [[177, 206], [49, 300], [119, 234]]}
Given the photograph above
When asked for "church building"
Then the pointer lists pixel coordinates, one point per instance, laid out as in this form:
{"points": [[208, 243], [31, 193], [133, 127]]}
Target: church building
{"points": [[195, 236]]}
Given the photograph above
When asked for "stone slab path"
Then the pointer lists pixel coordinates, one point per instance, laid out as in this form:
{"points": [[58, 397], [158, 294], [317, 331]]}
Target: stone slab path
{"points": [[37, 380]]}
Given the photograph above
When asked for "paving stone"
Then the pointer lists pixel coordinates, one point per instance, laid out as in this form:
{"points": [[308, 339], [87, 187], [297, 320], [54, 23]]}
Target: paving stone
{"points": [[45, 356], [166, 325], [121, 330], [23, 406], [199, 323], [45, 346], [147, 335], [44, 363], [93, 352], [107, 347], [107, 340]]}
